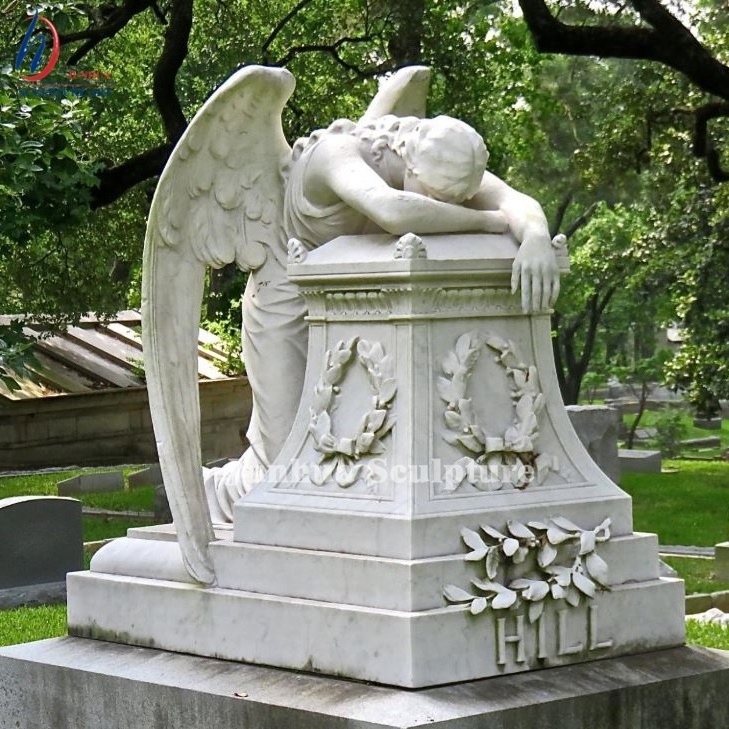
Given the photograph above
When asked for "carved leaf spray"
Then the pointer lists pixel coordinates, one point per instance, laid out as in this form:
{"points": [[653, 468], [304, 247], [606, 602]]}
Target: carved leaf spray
{"points": [[492, 454], [556, 559], [340, 455]]}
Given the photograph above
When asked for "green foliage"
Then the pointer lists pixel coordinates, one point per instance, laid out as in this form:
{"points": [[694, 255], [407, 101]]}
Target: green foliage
{"points": [[671, 430], [597, 139], [49, 265], [709, 635], [15, 354]]}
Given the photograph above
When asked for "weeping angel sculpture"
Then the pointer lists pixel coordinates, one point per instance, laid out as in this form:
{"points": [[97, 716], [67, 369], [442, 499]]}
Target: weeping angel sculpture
{"points": [[234, 191]]}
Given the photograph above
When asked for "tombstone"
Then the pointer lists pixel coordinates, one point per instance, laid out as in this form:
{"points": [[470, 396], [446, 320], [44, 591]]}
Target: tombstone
{"points": [[634, 460], [92, 483], [149, 476], [40, 541], [721, 561], [597, 428]]}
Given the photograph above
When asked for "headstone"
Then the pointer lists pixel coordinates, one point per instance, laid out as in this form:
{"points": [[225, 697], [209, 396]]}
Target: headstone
{"points": [[162, 513], [721, 561], [40, 541], [711, 441], [597, 428], [92, 483], [633, 460], [150, 476]]}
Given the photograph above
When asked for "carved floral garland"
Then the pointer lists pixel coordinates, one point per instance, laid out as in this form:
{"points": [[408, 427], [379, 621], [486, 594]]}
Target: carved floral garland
{"points": [[492, 454], [339, 455], [560, 562]]}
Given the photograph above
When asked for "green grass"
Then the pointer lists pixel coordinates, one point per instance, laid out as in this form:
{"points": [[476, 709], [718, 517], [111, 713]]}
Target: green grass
{"points": [[689, 507], [708, 635], [96, 528], [651, 419], [699, 574], [45, 484], [23, 625]]}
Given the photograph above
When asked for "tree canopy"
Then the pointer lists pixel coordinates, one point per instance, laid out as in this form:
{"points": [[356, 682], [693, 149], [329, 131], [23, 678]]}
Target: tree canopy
{"points": [[612, 115]]}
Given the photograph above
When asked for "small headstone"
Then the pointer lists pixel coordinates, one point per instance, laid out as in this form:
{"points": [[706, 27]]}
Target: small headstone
{"points": [[708, 423], [712, 441], [721, 561], [162, 513], [150, 476], [637, 461], [92, 483], [40, 541], [597, 428]]}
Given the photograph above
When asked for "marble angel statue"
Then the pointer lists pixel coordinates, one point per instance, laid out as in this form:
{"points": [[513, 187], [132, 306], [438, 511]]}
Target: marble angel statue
{"points": [[235, 191]]}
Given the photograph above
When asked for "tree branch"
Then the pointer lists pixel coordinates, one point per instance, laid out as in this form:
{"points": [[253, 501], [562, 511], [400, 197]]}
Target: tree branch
{"points": [[702, 146], [560, 212], [332, 49], [115, 181], [93, 35], [281, 25], [666, 41], [174, 52], [581, 220]]}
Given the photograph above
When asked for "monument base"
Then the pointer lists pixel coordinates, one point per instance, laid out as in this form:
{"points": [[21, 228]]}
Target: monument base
{"points": [[73, 683]]}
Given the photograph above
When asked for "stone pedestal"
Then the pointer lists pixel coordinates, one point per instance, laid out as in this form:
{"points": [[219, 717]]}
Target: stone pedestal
{"points": [[433, 516], [71, 683]]}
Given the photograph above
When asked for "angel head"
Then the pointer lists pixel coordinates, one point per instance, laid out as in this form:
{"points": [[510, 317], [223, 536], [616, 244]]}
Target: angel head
{"points": [[444, 159]]}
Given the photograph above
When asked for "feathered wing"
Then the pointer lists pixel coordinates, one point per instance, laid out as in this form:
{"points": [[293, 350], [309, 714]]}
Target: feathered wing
{"points": [[403, 94], [219, 200]]}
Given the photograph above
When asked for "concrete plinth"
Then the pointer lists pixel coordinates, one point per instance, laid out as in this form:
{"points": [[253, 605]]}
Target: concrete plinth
{"points": [[71, 683]]}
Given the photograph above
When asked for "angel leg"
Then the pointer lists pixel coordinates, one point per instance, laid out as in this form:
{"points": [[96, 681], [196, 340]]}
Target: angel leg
{"points": [[275, 340]]}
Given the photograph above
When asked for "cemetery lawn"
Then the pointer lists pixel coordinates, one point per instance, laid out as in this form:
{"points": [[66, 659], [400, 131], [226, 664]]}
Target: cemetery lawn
{"points": [[44, 484], [94, 527], [652, 419], [698, 573], [688, 507], [23, 625]]}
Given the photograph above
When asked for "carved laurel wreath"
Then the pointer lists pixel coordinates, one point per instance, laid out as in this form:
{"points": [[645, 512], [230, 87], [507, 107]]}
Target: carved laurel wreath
{"points": [[339, 455], [492, 454], [559, 561]]}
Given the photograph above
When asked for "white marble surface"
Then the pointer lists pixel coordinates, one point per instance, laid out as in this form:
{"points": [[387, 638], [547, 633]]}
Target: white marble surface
{"points": [[233, 191], [410, 649], [414, 361]]}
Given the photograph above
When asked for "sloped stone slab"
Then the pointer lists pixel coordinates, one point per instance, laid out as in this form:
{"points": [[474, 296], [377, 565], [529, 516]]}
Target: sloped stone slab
{"points": [[70, 683]]}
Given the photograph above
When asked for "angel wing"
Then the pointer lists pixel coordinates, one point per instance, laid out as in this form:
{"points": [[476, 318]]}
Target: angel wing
{"points": [[402, 94], [219, 200]]}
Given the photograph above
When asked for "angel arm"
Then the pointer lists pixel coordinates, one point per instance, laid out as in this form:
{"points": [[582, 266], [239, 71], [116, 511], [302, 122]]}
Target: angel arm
{"points": [[338, 169], [535, 266]]}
